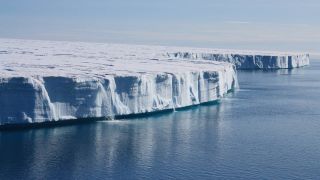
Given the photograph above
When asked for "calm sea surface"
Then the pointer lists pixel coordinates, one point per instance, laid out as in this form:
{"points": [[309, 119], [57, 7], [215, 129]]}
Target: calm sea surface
{"points": [[269, 129]]}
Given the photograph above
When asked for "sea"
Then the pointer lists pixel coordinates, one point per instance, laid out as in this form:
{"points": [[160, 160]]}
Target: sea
{"points": [[269, 128]]}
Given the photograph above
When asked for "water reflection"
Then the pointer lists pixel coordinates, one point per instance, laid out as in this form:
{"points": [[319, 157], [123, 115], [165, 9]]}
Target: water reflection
{"points": [[112, 148]]}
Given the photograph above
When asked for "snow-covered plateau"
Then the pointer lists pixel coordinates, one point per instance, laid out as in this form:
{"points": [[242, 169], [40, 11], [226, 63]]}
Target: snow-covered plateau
{"points": [[44, 81]]}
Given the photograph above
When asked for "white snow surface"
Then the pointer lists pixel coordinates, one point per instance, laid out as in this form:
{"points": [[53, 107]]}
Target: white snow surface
{"points": [[44, 81]]}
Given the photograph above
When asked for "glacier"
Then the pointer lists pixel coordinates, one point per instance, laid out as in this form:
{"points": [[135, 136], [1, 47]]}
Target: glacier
{"points": [[50, 81]]}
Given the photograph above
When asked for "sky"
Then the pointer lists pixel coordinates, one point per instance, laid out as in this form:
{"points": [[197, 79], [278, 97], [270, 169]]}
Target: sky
{"points": [[279, 25]]}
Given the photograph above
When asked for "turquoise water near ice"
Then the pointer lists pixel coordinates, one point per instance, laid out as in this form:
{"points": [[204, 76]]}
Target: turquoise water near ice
{"points": [[269, 129]]}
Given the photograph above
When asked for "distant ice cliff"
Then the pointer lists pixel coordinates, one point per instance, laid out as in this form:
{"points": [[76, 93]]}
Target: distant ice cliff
{"points": [[250, 60]]}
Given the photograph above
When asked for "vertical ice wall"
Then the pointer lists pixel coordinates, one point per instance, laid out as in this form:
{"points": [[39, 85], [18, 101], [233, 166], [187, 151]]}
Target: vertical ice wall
{"points": [[24, 100]]}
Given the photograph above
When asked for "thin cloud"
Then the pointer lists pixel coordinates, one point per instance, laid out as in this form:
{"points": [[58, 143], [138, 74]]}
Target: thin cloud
{"points": [[238, 22]]}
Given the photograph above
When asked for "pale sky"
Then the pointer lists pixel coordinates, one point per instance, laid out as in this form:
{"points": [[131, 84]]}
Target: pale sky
{"points": [[283, 25]]}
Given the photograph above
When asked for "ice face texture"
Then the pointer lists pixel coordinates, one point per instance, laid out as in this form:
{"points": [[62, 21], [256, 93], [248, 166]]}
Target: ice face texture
{"points": [[43, 81]]}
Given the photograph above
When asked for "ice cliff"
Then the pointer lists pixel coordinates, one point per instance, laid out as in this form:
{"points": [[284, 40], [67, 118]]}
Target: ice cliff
{"points": [[43, 81]]}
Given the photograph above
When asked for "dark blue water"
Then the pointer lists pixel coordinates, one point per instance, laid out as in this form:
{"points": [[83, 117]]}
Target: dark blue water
{"points": [[270, 129]]}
